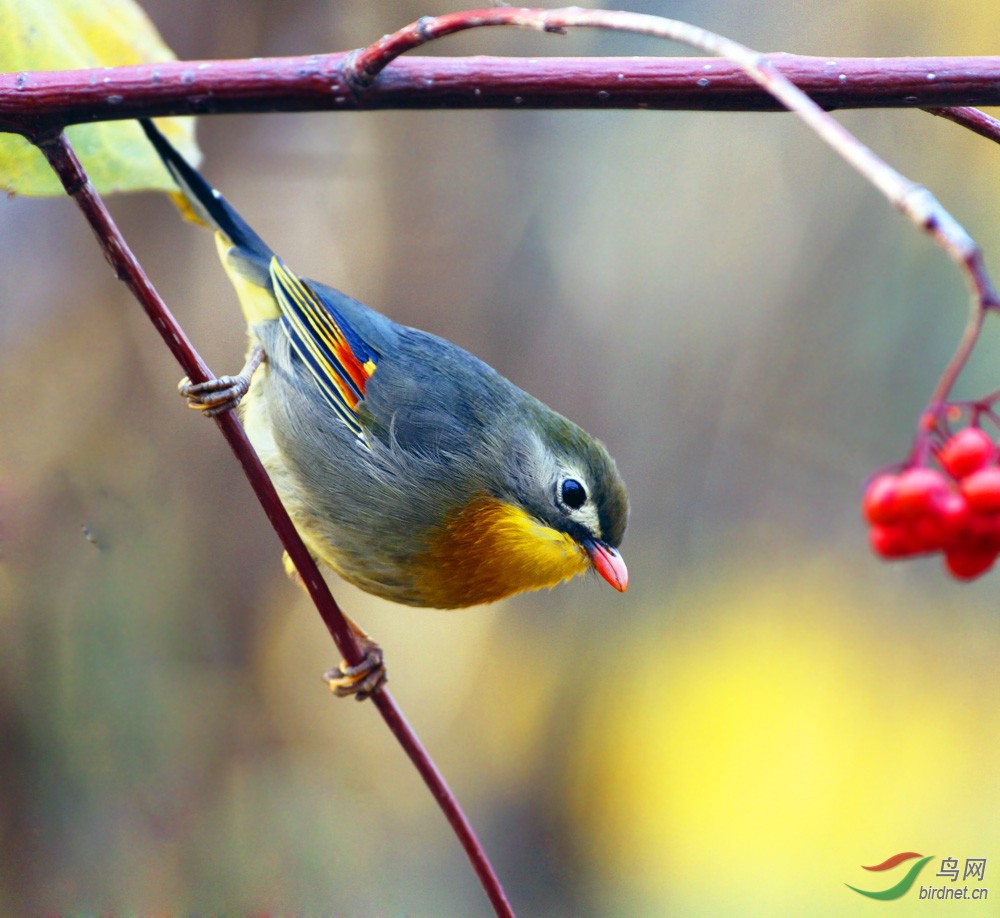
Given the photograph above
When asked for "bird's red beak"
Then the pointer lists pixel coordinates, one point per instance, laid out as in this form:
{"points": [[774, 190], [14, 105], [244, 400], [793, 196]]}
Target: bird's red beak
{"points": [[608, 563]]}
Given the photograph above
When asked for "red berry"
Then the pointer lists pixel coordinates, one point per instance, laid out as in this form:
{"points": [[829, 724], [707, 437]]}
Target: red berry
{"points": [[953, 517], [892, 541], [966, 452], [878, 505], [982, 490], [927, 534], [966, 564], [920, 491], [981, 532]]}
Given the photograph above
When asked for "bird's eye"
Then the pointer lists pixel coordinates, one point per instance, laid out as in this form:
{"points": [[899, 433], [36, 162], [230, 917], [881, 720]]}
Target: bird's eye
{"points": [[574, 494]]}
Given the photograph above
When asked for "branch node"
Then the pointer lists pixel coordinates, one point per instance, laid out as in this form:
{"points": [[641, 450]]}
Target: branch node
{"points": [[356, 77], [546, 25], [425, 29]]}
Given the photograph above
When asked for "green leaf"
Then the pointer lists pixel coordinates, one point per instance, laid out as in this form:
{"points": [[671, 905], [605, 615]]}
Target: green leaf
{"points": [[75, 34]]}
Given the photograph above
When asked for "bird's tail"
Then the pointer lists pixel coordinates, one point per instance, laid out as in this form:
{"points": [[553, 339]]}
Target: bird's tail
{"points": [[210, 206], [332, 352], [245, 257]]}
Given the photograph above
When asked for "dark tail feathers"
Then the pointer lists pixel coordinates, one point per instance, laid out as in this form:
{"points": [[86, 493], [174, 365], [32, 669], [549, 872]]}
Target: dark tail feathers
{"points": [[210, 206]]}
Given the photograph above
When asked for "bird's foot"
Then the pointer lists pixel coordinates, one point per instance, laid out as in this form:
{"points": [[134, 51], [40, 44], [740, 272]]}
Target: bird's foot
{"points": [[214, 396], [223, 393], [361, 680]]}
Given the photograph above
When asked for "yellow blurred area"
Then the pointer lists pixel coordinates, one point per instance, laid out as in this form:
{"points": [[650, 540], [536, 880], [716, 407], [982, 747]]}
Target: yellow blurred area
{"points": [[749, 328], [777, 739]]}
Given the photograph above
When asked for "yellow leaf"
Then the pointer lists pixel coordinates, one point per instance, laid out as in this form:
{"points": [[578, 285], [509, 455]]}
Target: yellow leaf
{"points": [[74, 34]]}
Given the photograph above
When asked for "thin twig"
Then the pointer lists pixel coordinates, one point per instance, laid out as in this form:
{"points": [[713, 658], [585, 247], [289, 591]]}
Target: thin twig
{"points": [[913, 200], [63, 160], [972, 118], [986, 126]]}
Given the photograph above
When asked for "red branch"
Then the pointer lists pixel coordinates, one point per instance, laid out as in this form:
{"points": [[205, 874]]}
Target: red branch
{"points": [[976, 121], [36, 101], [63, 160]]}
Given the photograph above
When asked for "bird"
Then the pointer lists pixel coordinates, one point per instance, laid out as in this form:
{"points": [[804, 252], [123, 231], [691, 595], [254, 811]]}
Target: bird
{"points": [[409, 467]]}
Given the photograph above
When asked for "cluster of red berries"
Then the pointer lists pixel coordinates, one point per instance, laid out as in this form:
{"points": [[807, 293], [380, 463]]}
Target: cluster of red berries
{"points": [[955, 511]]}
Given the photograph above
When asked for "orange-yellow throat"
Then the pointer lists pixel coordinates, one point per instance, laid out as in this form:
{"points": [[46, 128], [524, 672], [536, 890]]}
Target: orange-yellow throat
{"points": [[492, 549]]}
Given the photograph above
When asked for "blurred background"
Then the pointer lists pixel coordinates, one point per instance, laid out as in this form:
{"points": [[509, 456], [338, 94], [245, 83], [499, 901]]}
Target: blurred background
{"points": [[745, 323]]}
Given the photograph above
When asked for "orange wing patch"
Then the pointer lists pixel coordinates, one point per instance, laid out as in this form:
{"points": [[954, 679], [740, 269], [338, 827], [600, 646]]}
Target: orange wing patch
{"points": [[339, 360]]}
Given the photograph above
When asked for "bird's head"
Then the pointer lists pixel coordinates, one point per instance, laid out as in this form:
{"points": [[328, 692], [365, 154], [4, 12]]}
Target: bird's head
{"points": [[567, 481], [543, 503]]}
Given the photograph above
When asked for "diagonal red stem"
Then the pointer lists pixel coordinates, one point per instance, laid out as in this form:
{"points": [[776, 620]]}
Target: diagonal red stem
{"points": [[63, 160]]}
